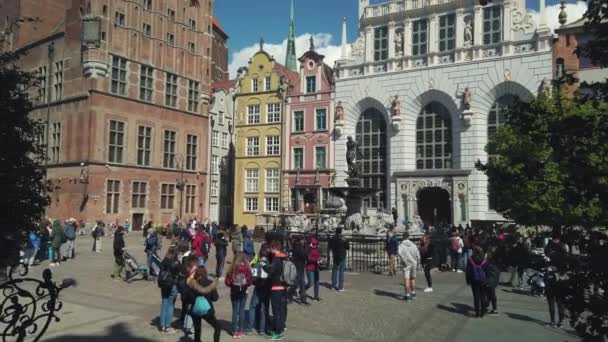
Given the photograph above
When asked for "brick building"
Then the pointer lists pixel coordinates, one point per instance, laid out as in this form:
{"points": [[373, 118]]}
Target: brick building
{"points": [[219, 53], [124, 100]]}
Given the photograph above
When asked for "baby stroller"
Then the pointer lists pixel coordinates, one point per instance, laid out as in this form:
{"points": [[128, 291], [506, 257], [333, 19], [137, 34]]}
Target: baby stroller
{"points": [[133, 268]]}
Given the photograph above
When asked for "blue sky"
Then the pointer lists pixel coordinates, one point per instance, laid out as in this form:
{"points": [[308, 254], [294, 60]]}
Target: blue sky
{"points": [[246, 21]]}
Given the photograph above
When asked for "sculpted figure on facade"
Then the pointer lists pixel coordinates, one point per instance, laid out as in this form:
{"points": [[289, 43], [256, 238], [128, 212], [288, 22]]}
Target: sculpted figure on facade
{"points": [[396, 106], [468, 33], [398, 43], [467, 97], [352, 149], [358, 48], [339, 112]]}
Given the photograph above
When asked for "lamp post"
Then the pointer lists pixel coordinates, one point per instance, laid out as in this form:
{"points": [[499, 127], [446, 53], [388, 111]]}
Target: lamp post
{"points": [[181, 183]]}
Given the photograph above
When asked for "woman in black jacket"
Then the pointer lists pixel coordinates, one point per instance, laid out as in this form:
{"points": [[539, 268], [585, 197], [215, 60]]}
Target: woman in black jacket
{"points": [[119, 246], [167, 282], [198, 283], [476, 278], [492, 276]]}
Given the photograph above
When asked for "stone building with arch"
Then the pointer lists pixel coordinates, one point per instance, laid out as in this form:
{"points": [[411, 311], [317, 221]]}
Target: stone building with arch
{"points": [[423, 89]]}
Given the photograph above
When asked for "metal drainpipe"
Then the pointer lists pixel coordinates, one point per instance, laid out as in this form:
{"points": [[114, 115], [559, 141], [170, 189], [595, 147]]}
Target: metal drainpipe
{"points": [[51, 55]]}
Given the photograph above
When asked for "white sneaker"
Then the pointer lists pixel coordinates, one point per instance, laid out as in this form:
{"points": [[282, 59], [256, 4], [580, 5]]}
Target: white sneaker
{"points": [[459, 271], [453, 270], [428, 289], [52, 264]]}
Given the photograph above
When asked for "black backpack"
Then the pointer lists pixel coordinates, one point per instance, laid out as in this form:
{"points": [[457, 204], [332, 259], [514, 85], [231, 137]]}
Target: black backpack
{"points": [[165, 279]]}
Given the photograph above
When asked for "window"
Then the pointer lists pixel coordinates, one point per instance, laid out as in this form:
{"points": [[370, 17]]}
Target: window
{"points": [[272, 180], [148, 4], [147, 30], [380, 43], [167, 196], [112, 196], [298, 121], [104, 10], [497, 116], [253, 114], [119, 19], [192, 24], [254, 85], [560, 69], [58, 81], [371, 136], [273, 112], [42, 144], [171, 90], [273, 145], [251, 180], [491, 25], [298, 158], [138, 195], [119, 76], [224, 140], [220, 118], [193, 94], [253, 146], [267, 83], [320, 157], [321, 119], [419, 37], [190, 199], [191, 151], [146, 83], [41, 98], [144, 145], [214, 188], [272, 205], [170, 39], [169, 149], [215, 167], [171, 14], [324, 198], [55, 143], [191, 47], [311, 84], [215, 138], [447, 36], [251, 204], [433, 138], [116, 141]]}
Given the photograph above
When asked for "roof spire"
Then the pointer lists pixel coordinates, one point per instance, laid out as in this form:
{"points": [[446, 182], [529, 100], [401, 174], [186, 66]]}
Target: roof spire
{"points": [[344, 38], [312, 43], [290, 55]]}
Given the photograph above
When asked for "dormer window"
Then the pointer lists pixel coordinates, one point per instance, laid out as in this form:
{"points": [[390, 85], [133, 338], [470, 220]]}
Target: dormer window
{"points": [[311, 84]]}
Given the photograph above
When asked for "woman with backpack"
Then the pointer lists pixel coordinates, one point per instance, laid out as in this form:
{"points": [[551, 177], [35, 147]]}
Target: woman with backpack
{"points": [[313, 258], [261, 293], [492, 278], [198, 284], [476, 278], [167, 281], [278, 290], [238, 279], [57, 239], [391, 246]]}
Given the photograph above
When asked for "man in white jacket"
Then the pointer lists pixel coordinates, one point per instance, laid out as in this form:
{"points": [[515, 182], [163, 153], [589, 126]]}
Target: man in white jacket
{"points": [[410, 256]]}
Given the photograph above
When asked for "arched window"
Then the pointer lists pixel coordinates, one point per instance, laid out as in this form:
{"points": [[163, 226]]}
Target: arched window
{"points": [[434, 138], [371, 137], [497, 117]]}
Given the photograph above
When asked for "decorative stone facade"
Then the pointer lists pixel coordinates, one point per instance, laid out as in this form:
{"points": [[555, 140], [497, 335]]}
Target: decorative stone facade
{"points": [[433, 102]]}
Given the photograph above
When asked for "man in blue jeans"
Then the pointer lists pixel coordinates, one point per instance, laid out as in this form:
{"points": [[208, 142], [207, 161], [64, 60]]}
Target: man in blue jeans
{"points": [[338, 246]]}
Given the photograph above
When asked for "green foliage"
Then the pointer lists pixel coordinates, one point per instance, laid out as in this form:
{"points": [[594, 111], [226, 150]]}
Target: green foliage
{"points": [[23, 189]]}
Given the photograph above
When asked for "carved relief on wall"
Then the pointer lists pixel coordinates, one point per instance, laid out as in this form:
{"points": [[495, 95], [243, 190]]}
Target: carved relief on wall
{"points": [[399, 43], [522, 21], [358, 47]]}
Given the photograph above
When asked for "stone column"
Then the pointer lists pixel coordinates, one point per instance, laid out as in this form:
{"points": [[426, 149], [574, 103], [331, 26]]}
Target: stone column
{"points": [[507, 34], [478, 31], [460, 28], [391, 39], [432, 39], [369, 44], [407, 43]]}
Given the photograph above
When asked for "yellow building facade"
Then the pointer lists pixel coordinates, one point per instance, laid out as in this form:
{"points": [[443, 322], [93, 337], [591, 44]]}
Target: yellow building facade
{"points": [[261, 92]]}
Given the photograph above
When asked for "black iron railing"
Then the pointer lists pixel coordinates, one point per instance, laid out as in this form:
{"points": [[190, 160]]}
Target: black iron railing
{"points": [[28, 306]]}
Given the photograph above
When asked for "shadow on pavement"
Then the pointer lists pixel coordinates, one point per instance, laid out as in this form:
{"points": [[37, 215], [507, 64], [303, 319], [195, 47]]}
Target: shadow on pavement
{"points": [[517, 291], [393, 295], [525, 318], [326, 284], [115, 333], [457, 308]]}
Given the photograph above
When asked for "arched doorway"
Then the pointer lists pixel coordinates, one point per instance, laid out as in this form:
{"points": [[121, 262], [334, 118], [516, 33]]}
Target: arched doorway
{"points": [[434, 206], [371, 137]]}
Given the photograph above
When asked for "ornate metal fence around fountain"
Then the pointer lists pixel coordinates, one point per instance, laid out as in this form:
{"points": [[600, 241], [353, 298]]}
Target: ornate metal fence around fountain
{"points": [[367, 252], [28, 305]]}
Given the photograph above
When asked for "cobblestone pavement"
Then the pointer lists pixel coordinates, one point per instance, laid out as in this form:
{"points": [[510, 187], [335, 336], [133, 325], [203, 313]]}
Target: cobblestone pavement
{"points": [[101, 309]]}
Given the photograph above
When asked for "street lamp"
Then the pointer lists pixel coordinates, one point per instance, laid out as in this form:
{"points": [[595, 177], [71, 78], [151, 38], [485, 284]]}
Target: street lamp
{"points": [[181, 184]]}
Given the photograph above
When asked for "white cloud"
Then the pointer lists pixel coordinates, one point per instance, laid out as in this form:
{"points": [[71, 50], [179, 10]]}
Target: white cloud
{"points": [[574, 11], [323, 45]]}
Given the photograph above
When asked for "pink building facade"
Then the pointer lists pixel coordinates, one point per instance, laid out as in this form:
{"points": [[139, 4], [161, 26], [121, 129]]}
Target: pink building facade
{"points": [[309, 157]]}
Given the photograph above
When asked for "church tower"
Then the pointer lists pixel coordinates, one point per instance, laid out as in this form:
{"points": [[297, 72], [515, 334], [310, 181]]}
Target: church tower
{"points": [[290, 56]]}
